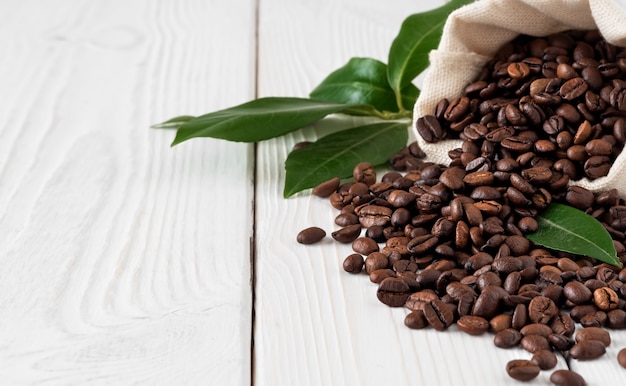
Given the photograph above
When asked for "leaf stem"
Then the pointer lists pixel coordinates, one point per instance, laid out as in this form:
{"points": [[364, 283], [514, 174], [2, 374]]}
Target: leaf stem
{"points": [[388, 115], [399, 100]]}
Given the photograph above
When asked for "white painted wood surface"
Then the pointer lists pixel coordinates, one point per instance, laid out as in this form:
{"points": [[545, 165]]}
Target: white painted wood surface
{"points": [[119, 263], [123, 261]]}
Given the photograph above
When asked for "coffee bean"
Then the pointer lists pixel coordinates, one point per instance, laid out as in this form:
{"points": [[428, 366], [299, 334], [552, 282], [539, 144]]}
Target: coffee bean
{"points": [[429, 128], [605, 298], [439, 316], [500, 322], [616, 319], [311, 235], [473, 325], [587, 349], [353, 263], [541, 309], [536, 329], [545, 359], [364, 246], [577, 293], [573, 88], [363, 172], [393, 292], [534, 343], [594, 333], [621, 357], [370, 215], [374, 261], [345, 219], [347, 234], [597, 166], [522, 369], [567, 378], [415, 320], [326, 188]]}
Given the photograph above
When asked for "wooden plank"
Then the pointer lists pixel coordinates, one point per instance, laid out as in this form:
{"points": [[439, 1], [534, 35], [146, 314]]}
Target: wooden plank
{"points": [[123, 261], [315, 324]]}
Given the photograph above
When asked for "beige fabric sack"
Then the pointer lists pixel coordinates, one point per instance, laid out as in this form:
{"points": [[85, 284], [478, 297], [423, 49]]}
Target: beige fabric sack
{"points": [[474, 33]]}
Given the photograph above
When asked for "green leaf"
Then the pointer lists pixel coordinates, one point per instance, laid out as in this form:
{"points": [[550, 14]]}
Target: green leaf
{"points": [[259, 119], [173, 123], [419, 34], [363, 81], [336, 154], [568, 229]]}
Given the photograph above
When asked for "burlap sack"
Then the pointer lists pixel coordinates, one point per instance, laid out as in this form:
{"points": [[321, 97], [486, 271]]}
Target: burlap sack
{"points": [[473, 34]]}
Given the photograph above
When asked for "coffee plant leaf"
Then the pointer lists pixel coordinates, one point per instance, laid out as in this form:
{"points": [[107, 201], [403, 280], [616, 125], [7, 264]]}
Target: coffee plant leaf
{"points": [[335, 155], [565, 228], [363, 81], [173, 123], [419, 34], [260, 119]]}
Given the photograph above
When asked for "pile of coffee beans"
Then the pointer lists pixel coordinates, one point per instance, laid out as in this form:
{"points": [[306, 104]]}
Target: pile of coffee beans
{"points": [[561, 98], [448, 242]]}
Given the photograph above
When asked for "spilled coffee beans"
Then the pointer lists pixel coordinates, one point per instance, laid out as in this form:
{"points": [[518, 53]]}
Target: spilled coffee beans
{"points": [[448, 242]]}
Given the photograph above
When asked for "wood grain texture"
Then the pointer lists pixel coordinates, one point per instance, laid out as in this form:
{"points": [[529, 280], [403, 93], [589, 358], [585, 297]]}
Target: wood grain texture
{"points": [[315, 324], [123, 261]]}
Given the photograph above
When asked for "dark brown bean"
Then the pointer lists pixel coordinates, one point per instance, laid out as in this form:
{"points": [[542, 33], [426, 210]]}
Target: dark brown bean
{"points": [[353, 263], [567, 378], [522, 369], [545, 359], [594, 333], [587, 349], [393, 292], [472, 324], [311, 235], [507, 338]]}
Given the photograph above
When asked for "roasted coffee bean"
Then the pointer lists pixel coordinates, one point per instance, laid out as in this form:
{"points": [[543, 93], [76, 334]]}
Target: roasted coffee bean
{"points": [[594, 333], [587, 349], [507, 338], [393, 292], [370, 215], [439, 316], [400, 198], [374, 261], [500, 322], [545, 359], [365, 173], [378, 275], [616, 319], [457, 109], [353, 263], [415, 320], [473, 325], [541, 309], [365, 246], [536, 329], [522, 369], [594, 319], [597, 166], [605, 298], [579, 197], [567, 378], [429, 128], [560, 342], [311, 235], [534, 343], [563, 324], [621, 357], [345, 219], [325, 189], [347, 234]]}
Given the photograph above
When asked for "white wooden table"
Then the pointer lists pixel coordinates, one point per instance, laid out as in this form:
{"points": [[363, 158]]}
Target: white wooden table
{"points": [[125, 261]]}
